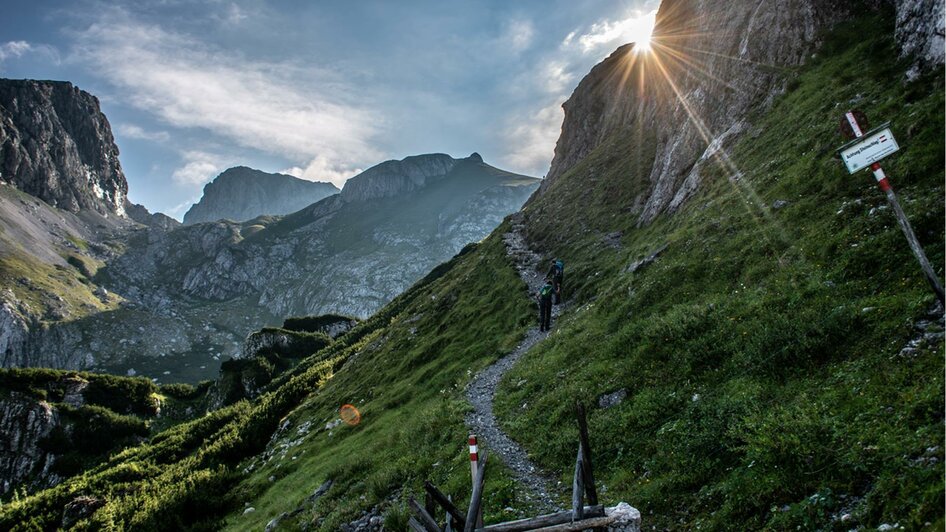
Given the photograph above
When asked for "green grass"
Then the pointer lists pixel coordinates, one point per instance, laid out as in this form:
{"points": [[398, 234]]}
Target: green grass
{"points": [[759, 353]]}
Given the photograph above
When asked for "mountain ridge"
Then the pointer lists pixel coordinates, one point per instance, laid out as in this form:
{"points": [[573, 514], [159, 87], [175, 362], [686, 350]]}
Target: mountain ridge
{"points": [[242, 193]]}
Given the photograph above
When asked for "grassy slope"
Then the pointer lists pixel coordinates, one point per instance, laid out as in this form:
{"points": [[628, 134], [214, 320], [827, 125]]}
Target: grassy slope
{"points": [[757, 311], [759, 354], [408, 387]]}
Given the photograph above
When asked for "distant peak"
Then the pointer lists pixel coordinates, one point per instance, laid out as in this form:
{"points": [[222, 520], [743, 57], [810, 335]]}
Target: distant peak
{"points": [[475, 157]]}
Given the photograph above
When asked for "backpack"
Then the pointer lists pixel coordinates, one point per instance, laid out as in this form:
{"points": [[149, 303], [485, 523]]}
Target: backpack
{"points": [[546, 291], [559, 268]]}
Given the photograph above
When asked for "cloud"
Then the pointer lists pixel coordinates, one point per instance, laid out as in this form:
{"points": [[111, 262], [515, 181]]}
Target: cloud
{"points": [[285, 109], [518, 35], [17, 49], [199, 168], [137, 132], [322, 169], [531, 139], [607, 34]]}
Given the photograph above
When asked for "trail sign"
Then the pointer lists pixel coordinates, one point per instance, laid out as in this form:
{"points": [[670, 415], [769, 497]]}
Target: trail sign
{"points": [[868, 149]]}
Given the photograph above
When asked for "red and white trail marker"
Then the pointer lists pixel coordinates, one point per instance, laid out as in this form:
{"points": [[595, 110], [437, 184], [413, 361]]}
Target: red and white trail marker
{"points": [[866, 150]]}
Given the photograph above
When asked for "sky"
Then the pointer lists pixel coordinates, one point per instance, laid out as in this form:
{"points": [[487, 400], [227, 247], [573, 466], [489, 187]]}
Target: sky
{"points": [[315, 88]]}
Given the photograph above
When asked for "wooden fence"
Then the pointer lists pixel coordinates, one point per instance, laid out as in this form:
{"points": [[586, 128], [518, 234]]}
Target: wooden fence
{"points": [[580, 517]]}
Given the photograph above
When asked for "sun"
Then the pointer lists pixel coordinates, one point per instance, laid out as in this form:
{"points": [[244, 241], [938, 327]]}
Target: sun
{"points": [[638, 30]]}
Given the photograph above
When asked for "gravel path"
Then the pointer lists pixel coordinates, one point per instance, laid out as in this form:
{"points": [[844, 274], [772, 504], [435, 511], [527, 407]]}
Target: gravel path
{"points": [[482, 389]]}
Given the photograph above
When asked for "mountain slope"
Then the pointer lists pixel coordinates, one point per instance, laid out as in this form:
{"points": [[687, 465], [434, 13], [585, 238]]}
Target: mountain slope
{"points": [[204, 287], [242, 193], [760, 353]]}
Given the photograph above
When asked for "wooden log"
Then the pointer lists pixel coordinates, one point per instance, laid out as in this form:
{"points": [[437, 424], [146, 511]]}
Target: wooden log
{"points": [[578, 488], [422, 517], [531, 523], [450, 520], [476, 499], [415, 526], [430, 506], [590, 489], [584, 524], [459, 520]]}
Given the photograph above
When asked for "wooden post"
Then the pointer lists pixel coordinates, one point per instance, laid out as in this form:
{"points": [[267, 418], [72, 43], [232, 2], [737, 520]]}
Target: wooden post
{"points": [[459, 520], [586, 455], [915, 246], [476, 499], [474, 458], [578, 488], [426, 521]]}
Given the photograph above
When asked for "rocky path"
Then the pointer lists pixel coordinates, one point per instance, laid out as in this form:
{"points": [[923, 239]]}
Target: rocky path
{"points": [[482, 389]]}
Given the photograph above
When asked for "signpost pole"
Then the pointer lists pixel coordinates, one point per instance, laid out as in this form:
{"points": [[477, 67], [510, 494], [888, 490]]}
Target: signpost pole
{"points": [[474, 463], [931, 276], [853, 125]]}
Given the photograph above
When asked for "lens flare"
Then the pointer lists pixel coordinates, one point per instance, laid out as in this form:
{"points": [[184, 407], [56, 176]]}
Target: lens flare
{"points": [[350, 415]]}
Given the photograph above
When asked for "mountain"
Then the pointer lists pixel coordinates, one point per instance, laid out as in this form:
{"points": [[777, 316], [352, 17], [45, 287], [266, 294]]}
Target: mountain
{"points": [[761, 356], [62, 203], [242, 193], [56, 145], [202, 288]]}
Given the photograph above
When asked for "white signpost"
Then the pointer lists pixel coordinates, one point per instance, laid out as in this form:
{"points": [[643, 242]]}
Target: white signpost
{"points": [[865, 151], [869, 149]]}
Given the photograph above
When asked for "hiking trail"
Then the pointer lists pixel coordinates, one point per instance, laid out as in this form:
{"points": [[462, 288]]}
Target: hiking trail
{"points": [[482, 389]]}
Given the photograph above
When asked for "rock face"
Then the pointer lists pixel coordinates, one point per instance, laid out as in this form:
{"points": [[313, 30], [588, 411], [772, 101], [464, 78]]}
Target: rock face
{"points": [[24, 424], [56, 144], [711, 62], [243, 193], [921, 27], [159, 221], [393, 178]]}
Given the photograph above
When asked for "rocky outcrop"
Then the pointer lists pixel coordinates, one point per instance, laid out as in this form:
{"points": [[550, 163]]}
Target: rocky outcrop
{"points": [[712, 61], [24, 424], [394, 178], [158, 220], [56, 144], [243, 193], [921, 28]]}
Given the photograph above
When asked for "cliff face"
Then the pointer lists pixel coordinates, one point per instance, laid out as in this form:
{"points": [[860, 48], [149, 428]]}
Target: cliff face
{"points": [[56, 144], [393, 178], [243, 193], [711, 62]]}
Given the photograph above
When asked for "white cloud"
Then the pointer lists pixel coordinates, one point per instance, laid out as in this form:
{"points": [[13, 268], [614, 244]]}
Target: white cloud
{"points": [[137, 132], [518, 35], [322, 169], [607, 34], [531, 139], [199, 168], [17, 49], [285, 109]]}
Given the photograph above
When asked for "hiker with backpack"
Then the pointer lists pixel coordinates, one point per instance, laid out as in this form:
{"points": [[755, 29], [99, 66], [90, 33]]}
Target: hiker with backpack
{"points": [[545, 306], [557, 275]]}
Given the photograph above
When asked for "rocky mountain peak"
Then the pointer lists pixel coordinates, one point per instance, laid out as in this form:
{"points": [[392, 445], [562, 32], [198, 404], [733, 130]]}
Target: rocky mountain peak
{"points": [[393, 178], [56, 144], [242, 193], [711, 62]]}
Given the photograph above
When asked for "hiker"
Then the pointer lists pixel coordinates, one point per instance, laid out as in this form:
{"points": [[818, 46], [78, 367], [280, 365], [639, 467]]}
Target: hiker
{"points": [[545, 306], [557, 275]]}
